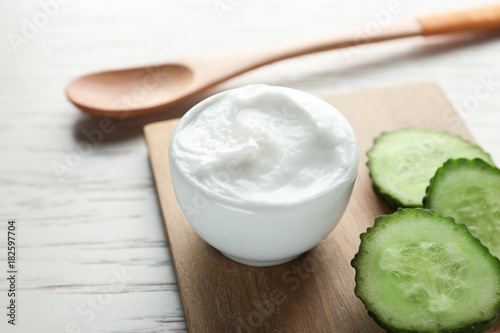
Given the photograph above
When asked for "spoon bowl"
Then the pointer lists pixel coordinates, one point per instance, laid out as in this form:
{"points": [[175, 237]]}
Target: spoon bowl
{"points": [[133, 91]]}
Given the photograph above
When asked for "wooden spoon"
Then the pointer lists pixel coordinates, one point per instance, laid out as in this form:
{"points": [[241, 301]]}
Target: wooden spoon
{"points": [[143, 90]]}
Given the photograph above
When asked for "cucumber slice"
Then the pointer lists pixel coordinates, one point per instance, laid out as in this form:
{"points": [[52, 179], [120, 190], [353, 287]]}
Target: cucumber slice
{"points": [[469, 191], [420, 272], [402, 162]]}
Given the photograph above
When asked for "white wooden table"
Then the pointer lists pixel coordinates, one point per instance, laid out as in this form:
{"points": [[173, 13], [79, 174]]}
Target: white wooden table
{"points": [[92, 254]]}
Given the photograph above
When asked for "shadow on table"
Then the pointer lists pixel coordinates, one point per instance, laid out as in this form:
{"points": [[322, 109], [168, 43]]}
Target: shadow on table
{"points": [[111, 131], [87, 127]]}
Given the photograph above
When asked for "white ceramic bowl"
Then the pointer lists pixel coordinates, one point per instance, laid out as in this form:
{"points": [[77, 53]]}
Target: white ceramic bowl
{"points": [[254, 233]]}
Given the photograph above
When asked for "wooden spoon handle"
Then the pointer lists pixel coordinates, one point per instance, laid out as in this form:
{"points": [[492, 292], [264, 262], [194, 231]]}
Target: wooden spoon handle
{"points": [[474, 19]]}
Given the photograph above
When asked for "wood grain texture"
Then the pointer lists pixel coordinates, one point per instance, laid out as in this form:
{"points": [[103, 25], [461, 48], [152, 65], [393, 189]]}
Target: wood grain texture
{"points": [[103, 216], [313, 293]]}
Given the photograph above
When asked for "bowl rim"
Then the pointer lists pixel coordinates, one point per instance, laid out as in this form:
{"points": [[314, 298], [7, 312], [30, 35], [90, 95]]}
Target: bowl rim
{"points": [[199, 107]]}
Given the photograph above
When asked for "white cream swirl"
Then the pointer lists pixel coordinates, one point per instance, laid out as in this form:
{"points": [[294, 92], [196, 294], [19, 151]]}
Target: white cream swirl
{"points": [[265, 144]]}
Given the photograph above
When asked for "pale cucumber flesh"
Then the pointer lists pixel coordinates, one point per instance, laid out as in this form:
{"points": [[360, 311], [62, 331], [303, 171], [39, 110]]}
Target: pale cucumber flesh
{"points": [[420, 272], [469, 191], [402, 162]]}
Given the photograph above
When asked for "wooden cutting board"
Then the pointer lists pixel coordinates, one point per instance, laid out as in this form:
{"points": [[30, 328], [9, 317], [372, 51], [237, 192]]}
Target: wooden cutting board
{"points": [[313, 293]]}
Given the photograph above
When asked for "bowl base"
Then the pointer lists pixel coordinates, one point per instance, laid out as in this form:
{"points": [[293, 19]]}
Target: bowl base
{"points": [[259, 263]]}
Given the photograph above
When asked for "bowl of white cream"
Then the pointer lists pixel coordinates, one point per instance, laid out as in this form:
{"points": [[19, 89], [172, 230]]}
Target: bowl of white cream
{"points": [[263, 173]]}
